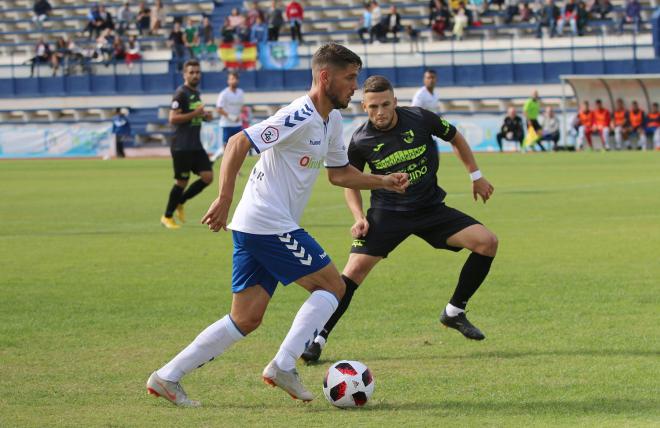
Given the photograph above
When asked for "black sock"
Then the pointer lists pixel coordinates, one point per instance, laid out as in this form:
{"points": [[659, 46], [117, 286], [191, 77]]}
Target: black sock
{"points": [[341, 308], [175, 196], [474, 272], [193, 190]]}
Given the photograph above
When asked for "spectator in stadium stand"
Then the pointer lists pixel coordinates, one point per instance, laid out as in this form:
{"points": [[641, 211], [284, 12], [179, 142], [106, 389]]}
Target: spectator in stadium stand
{"points": [[121, 127], [42, 55], [426, 97], [59, 54], [377, 31], [392, 23], [460, 23], [434, 6], [531, 110], [632, 15], [653, 125], [547, 17], [106, 16], [365, 23], [243, 32], [550, 127], [510, 10], [637, 119], [41, 11], [275, 21], [600, 9], [602, 122], [295, 15], [133, 53], [95, 22], [477, 8], [413, 36], [75, 57], [585, 128], [105, 46], [512, 129], [118, 50], [175, 40], [441, 20], [253, 13], [526, 14], [620, 125], [582, 18], [191, 38], [208, 48], [124, 18], [158, 17], [143, 18], [227, 33], [568, 14], [259, 31], [236, 20]]}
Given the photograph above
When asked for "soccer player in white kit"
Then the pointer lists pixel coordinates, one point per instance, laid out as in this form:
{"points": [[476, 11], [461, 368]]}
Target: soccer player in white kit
{"points": [[229, 105], [426, 96], [269, 245]]}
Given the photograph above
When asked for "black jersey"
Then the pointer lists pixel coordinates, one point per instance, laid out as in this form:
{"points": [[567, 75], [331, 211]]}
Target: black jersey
{"points": [[408, 147], [186, 135]]}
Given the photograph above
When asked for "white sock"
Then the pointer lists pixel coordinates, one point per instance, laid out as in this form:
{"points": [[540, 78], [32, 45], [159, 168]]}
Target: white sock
{"points": [[210, 343], [320, 340], [310, 319], [452, 310]]}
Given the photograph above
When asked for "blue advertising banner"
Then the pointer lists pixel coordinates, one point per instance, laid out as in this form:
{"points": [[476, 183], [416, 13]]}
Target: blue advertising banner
{"points": [[278, 55], [43, 141]]}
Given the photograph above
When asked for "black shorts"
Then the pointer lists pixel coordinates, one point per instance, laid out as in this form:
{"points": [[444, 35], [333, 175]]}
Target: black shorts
{"points": [[186, 161], [387, 229]]}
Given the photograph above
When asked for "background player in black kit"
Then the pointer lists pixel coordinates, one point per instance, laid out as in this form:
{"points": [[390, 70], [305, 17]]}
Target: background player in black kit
{"points": [[399, 139], [187, 114]]}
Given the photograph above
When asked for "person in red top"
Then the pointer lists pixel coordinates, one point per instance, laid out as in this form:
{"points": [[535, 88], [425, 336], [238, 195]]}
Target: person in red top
{"points": [[602, 120], [294, 14], [637, 120], [620, 125], [586, 118], [653, 125]]}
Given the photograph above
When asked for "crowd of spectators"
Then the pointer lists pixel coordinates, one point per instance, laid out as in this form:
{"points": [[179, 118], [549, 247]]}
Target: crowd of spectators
{"points": [[455, 17]]}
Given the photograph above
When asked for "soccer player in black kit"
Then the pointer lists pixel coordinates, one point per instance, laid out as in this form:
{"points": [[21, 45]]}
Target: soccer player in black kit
{"points": [[399, 139], [187, 114]]}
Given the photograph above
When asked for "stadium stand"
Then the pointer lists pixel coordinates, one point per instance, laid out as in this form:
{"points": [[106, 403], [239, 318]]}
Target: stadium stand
{"points": [[494, 53]]}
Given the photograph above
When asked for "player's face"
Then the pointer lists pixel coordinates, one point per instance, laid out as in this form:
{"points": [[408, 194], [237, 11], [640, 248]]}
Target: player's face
{"points": [[429, 80], [341, 85], [192, 75], [232, 81], [380, 108]]}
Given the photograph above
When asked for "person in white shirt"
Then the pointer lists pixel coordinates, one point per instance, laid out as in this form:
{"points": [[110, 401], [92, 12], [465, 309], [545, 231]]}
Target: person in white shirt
{"points": [[269, 244], [426, 97], [229, 105]]}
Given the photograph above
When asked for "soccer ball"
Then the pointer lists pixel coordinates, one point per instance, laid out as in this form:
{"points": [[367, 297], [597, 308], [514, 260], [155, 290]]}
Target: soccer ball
{"points": [[348, 384]]}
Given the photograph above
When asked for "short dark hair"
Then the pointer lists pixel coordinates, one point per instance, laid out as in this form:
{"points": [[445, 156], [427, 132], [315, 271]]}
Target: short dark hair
{"points": [[234, 73], [335, 55], [430, 71], [191, 63], [598, 101], [377, 84]]}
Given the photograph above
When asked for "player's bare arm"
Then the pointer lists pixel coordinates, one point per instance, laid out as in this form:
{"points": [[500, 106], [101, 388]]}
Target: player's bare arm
{"points": [[351, 177], [354, 201], [481, 186], [237, 149]]}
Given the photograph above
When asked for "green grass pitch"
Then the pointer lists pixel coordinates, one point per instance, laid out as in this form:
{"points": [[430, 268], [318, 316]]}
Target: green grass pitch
{"points": [[95, 294]]}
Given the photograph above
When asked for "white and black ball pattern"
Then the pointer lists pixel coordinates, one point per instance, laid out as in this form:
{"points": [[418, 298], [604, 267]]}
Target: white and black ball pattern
{"points": [[348, 384]]}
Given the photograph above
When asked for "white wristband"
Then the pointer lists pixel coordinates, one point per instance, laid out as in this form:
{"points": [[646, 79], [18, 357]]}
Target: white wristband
{"points": [[476, 175]]}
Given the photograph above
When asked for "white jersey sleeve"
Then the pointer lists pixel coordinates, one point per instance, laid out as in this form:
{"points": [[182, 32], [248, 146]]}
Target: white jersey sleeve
{"points": [[220, 101], [337, 155], [282, 126]]}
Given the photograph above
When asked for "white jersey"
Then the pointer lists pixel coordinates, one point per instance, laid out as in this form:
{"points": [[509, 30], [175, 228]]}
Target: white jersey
{"points": [[426, 100], [232, 102], [294, 144]]}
